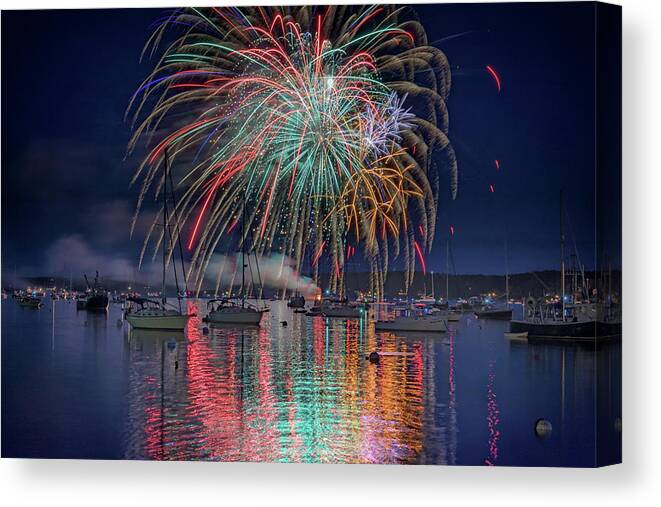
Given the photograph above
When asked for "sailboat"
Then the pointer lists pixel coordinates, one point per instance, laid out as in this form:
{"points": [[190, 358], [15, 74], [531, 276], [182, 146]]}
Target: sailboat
{"points": [[567, 318], [153, 314], [452, 315], [227, 311], [495, 312]]}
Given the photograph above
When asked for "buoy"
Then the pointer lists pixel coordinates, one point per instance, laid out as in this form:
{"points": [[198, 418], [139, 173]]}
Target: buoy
{"points": [[373, 357], [284, 323], [176, 364], [543, 428], [205, 330]]}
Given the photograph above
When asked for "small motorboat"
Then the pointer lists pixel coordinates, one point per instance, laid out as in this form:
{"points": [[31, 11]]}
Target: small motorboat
{"points": [[30, 302], [297, 301], [336, 308], [341, 311]]}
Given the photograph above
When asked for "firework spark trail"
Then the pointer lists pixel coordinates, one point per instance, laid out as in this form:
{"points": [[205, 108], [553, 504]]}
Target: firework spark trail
{"points": [[323, 126], [494, 75]]}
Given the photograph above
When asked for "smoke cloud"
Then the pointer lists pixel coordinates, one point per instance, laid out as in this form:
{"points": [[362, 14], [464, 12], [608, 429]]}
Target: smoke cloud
{"points": [[72, 254]]}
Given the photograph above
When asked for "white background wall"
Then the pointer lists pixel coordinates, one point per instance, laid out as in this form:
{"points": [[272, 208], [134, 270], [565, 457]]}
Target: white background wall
{"points": [[636, 482]]}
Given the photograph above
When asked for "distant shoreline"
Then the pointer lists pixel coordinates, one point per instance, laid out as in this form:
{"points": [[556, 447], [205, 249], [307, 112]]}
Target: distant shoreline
{"points": [[535, 283]]}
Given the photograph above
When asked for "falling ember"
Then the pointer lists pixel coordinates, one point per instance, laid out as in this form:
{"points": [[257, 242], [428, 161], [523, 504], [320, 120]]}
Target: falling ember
{"points": [[452, 230], [494, 75], [491, 189], [421, 257], [318, 254], [497, 163]]}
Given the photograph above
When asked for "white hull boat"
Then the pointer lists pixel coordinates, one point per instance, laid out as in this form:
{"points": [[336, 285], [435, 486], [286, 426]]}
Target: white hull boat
{"points": [[223, 311], [152, 314], [423, 323], [156, 318]]}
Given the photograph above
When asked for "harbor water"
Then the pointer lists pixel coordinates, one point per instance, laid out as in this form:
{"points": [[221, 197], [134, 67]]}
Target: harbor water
{"points": [[83, 385]]}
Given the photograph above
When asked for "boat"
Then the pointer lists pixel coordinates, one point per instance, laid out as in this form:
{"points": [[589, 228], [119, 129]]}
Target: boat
{"points": [[315, 311], [153, 314], [501, 311], [333, 307], [586, 330], [227, 311], [575, 315], [341, 310], [337, 308], [453, 316], [582, 321], [413, 320], [30, 302], [81, 301], [494, 313], [296, 301], [424, 299], [97, 297]]}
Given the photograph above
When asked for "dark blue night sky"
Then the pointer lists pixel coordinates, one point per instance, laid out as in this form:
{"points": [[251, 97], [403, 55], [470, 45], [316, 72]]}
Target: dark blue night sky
{"points": [[68, 76]]}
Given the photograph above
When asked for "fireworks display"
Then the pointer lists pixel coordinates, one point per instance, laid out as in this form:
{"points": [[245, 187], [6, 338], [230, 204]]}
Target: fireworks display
{"points": [[325, 127]]}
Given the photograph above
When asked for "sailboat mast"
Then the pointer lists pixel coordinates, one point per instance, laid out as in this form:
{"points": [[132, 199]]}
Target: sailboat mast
{"points": [[243, 253], [433, 295], [562, 253], [507, 278], [165, 223], [447, 271]]}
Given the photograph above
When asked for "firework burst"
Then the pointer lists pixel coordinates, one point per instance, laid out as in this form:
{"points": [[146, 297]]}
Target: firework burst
{"points": [[318, 123]]}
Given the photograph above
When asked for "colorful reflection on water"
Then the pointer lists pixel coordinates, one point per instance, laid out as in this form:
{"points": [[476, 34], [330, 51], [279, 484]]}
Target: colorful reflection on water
{"points": [[304, 392]]}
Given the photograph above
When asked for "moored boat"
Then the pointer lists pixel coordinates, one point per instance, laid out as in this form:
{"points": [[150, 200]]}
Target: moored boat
{"points": [[30, 301], [153, 314], [81, 301], [414, 319], [494, 313], [341, 310], [97, 302], [584, 321], [418, 322], [296, 301], [97, 297], [226, 311]]}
